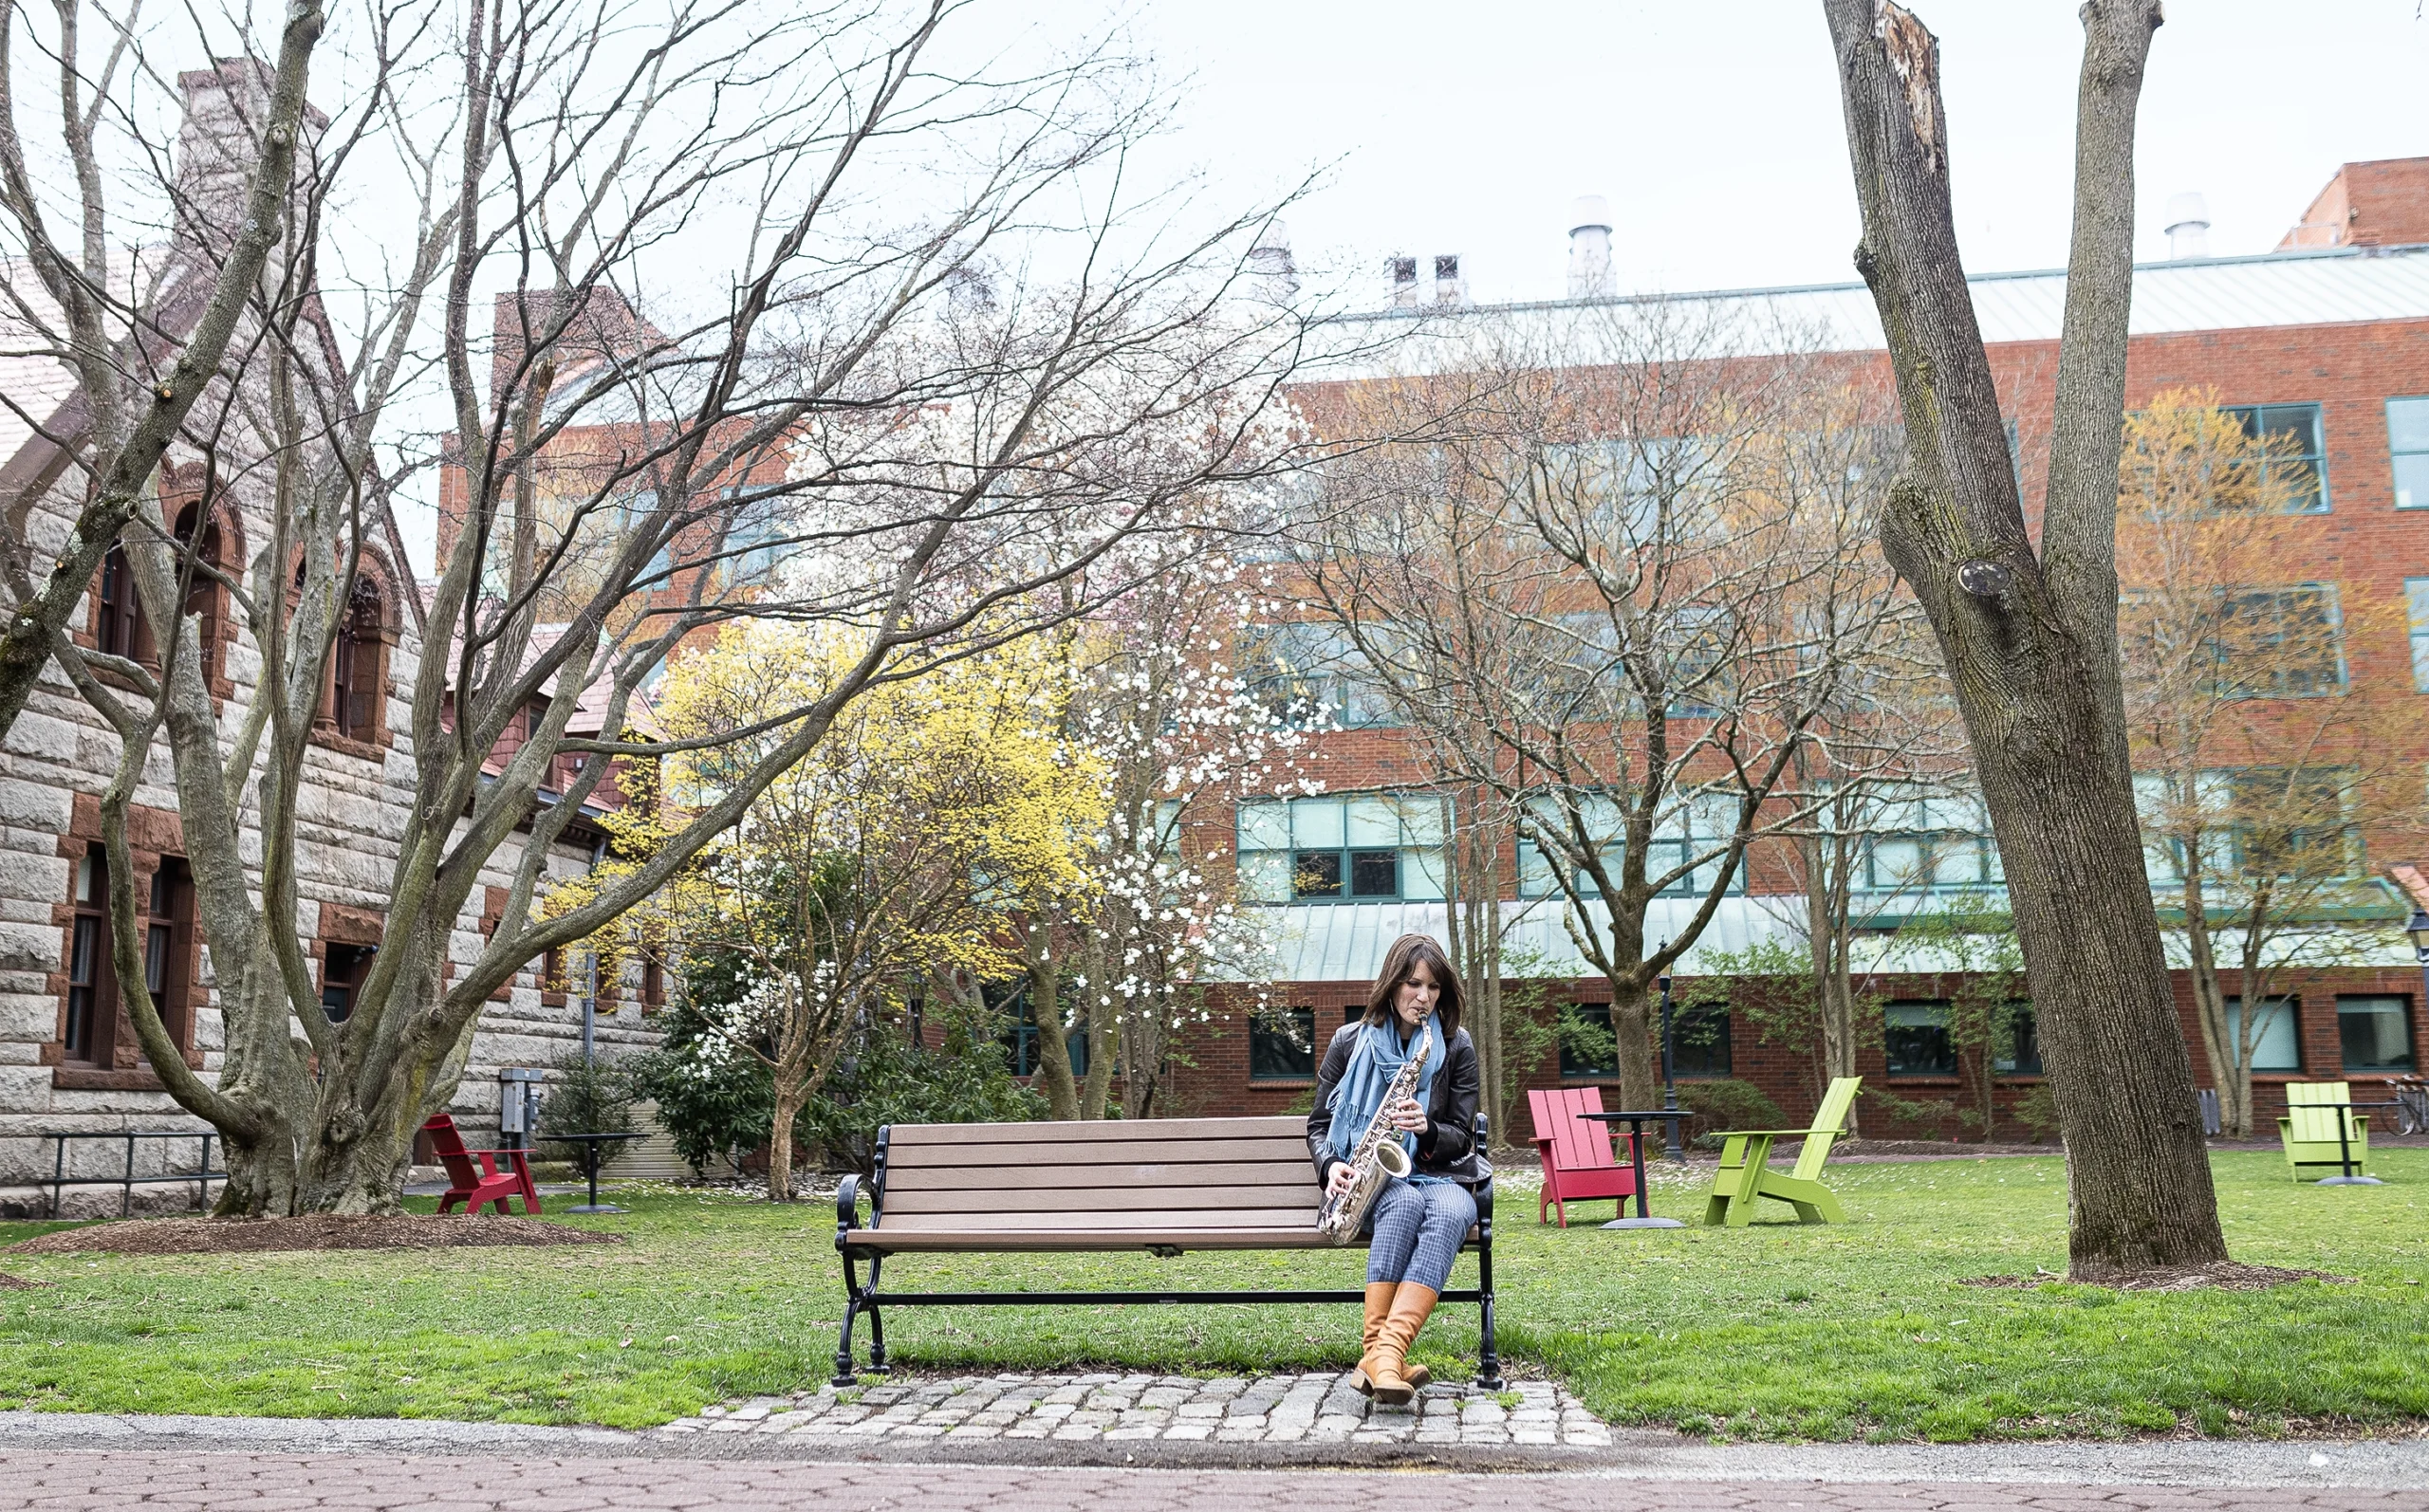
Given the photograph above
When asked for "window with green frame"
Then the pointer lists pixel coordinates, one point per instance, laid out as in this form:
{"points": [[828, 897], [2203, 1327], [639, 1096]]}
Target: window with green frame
{"points": [[2408, 450], [2288, 643], [1920, 843], [2415, 605], [1282, 1046], [1355, 848], [1304, 673], [1697, 827], [2295, 434]]}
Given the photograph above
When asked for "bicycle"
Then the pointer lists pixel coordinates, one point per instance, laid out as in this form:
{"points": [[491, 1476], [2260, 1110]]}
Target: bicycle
{"points": [[2411, 1098]]}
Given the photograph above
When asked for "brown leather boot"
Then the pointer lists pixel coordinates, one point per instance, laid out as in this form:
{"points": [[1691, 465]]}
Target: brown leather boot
{"points": [[1378, 1306], [1411, 1306]]}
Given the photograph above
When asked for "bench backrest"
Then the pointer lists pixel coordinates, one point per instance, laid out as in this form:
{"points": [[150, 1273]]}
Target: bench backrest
{"points": [[1576, 1144], [1115, 1175], [1829, 1123], [2313, 1109]]}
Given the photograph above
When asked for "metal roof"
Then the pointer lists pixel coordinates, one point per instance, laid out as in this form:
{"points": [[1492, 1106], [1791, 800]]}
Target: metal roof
{"points": [[1344, 942], [2307, 287]]}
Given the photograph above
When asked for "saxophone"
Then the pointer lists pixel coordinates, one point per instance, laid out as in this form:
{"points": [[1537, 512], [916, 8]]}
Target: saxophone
{"points": [[1378, 1157]]}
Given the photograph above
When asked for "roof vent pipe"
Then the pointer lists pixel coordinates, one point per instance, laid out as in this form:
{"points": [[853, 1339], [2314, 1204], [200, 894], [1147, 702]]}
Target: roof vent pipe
{"points": [[2188, 226], [1589, 249], [1448, 288], [1272, 270], [1403, 282]]}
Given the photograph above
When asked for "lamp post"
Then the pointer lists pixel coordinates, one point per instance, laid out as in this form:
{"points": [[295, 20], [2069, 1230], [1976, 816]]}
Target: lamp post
{"points": [[1669, 1074]]}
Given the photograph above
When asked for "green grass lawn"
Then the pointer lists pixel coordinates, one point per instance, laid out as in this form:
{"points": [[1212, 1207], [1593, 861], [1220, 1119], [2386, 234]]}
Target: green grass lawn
{"points": [[1834, 1332]]}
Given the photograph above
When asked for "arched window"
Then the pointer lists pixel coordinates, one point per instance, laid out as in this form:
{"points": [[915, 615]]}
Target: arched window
{"points": [[118, 618], [354, 672], [205, 599]]}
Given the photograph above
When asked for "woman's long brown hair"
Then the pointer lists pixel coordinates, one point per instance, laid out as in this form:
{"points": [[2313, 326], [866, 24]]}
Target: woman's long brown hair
{"points": [[1401, 963]]}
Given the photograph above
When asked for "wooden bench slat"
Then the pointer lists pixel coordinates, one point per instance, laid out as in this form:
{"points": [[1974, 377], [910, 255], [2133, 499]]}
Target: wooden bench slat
{"points": [[996, 1242], [1299, 1172], [1103, 1199], [987, 1241], [1085, 1130], [1097, 1152], [1087, 1223]]}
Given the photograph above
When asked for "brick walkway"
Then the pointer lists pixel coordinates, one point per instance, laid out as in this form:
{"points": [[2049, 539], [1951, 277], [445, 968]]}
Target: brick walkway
{"points": [[1111, 1409], [154, 1481]]}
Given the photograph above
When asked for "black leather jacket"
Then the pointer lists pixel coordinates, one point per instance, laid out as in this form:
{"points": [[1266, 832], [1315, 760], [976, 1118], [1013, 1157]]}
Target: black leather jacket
{"points": [[1448, 1146]]}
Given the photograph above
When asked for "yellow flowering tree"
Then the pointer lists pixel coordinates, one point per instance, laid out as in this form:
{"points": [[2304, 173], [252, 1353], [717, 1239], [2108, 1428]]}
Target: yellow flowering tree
{"points": [[892, 855]]}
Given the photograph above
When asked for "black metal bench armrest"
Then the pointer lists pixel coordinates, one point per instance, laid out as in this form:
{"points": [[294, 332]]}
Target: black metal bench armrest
{"points": [[848, 1206], [1484, 1201]]}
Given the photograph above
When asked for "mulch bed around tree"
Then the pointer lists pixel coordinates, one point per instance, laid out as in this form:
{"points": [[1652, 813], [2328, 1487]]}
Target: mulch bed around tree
{"points": [[18, 1284], [2225, 1276], [229, 1236]]}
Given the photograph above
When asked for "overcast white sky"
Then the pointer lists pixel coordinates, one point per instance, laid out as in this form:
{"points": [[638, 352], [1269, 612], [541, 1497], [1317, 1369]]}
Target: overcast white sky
{"points": [[1714, 125]]}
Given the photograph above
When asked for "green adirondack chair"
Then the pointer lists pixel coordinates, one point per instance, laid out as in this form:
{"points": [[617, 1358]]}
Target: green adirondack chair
{"points": [[1746, 1175], [2308, 1129]]}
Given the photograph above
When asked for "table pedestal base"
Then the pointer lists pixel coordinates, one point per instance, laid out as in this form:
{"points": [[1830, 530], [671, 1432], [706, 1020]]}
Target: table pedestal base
{"points": [[2349, 1181], [1645, 1223], [597, 1208]]}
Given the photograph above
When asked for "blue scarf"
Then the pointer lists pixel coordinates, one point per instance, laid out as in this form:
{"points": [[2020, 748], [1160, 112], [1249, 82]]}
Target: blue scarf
{"points": [[1374, 1060]]}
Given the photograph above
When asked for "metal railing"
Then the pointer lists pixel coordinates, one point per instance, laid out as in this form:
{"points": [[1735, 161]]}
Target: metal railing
{"points": [[127, 1181]]}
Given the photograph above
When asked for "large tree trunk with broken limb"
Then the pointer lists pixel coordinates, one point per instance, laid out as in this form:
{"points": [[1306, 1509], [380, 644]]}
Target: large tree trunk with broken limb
{"points": [[2029, 638]]}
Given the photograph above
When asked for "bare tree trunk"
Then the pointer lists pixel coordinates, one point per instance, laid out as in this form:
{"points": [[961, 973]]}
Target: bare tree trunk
{"points": [[2229, 1070], [1096, 1092], [1053, 1045], [790, 1099], [1632, 1027], [2030, 640]]}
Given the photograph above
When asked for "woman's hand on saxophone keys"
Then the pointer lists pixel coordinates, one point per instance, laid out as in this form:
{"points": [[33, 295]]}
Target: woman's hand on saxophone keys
{"points": [[1408, 1118], [1345, 1176]]}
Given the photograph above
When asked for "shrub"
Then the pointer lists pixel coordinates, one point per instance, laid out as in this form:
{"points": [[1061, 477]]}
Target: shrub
{"points": [[1726, 1103], [585, 1096], [715, 1101], [883, 1078], [2037, 1110]]}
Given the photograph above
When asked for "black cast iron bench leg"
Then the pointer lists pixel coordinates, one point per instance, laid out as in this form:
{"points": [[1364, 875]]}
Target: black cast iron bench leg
{"points": [[1489, 1362], [844, 1376], [876, 1321]]}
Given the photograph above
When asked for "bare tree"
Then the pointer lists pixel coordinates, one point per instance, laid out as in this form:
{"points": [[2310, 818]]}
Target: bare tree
{"points": [[2259, 771], [931, 419], [141, 338], [1609, 595], [2030, 636]]}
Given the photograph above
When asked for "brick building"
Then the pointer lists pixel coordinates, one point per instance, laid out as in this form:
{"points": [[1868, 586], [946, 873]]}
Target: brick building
{"points": [[2323, 342]]}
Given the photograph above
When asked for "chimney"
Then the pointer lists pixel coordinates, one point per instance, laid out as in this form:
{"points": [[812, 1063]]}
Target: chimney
{"points": [[2188, 226], [1271, 271], [1448, 290], [226, 107], [1403, 282], [1589, 249]]}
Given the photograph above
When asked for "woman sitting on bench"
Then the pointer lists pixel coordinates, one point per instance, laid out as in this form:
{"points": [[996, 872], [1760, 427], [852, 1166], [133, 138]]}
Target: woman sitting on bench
{"points": [[1417, 1225]]}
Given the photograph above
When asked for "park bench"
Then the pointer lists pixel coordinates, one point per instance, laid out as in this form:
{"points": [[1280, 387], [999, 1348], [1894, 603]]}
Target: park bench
{"points": [[476, 1187], [1167, 1185]]}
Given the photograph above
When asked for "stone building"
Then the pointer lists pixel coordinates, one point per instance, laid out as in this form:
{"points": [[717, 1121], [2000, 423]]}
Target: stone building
{"points": [[68, 1059]]}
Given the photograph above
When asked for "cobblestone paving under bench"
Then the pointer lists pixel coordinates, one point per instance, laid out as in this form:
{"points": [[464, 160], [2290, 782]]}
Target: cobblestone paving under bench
{"points": [[1110, 1408]]}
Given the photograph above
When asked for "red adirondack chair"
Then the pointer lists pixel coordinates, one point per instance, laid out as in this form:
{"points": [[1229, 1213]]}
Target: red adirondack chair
{"points": [[1577, 1156], [485, 1184]]}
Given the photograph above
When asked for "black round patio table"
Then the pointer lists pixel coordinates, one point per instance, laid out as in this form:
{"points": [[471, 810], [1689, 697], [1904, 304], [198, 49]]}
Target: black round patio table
{"points": [[591, 1143], [1636, 1120]]}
